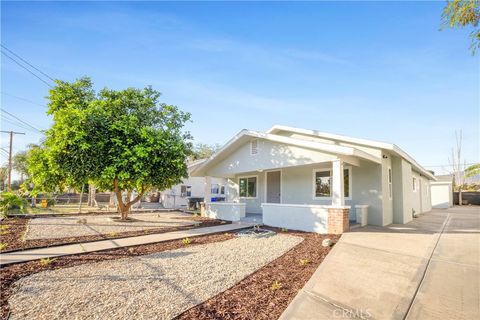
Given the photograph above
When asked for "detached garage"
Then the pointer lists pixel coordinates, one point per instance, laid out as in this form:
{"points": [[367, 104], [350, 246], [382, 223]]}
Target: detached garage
{"points": [[441, 194]]}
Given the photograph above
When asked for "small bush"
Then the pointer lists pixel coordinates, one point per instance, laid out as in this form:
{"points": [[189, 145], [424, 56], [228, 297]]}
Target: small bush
{"points": [[112, 234], [4, 232], [275, 286], [284, 230], [3, 246], [11, 201], [4, 227], [304, 262], [186, 241], [46, 261]]}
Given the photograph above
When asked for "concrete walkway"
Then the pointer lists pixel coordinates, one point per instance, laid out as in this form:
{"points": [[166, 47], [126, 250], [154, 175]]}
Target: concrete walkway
{"points": [[69, 249], [427, 269]]}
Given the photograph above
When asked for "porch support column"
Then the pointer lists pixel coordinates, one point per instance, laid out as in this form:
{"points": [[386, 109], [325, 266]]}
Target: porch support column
{"points": [[338, 198], [208, 189]]}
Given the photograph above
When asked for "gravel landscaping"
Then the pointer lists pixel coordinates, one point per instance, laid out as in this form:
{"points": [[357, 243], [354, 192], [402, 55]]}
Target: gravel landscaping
{"points": [[156, 286], [13, 231], [86, 225]]}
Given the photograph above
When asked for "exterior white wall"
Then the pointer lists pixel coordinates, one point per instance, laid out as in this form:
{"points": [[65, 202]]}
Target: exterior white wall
{"points": [[310, 218], [172, 198], [225, 210], [270, 155], [441, 194]]}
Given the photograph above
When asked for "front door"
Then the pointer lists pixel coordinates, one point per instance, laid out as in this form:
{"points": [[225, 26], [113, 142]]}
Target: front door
{"points": [[273, 187]]}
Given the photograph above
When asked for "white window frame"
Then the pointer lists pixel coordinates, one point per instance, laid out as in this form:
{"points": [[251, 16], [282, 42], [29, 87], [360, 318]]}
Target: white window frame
{"points": [[251, 147], [256, 188], [185, 194], [390, 183], [414, 184], [314, 185]]}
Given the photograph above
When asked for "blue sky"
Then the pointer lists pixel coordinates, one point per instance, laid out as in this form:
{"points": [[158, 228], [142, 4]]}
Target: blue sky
{"points": [[375, 70]]}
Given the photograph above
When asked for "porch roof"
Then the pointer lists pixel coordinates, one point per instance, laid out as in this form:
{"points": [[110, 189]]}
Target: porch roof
{"points": [[245, 135]]}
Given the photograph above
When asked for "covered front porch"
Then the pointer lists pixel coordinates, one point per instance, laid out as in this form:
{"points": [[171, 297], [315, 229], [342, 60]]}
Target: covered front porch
{"points": [[309, 187]]}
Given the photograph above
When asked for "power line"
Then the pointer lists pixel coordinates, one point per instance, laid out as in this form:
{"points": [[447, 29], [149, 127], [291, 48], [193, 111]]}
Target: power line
{"points": [[28, 70], [20, 98], [25, 61], [446, 165], [22, 121]]}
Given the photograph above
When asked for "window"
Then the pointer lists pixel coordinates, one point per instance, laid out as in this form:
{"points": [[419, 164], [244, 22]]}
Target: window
{"points": [[254, 147], [215, 188], [414, 182], [322, 184], [390, 190], [323, 180], [185, 191], [248, 187], [222, 190]]}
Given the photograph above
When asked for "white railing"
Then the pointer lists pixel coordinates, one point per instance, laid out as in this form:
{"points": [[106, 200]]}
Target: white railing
{"points": [[310, 218], [230, 211]]}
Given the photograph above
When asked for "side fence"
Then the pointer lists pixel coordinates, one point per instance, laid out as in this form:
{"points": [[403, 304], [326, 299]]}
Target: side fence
{"points": [[472, 198]]}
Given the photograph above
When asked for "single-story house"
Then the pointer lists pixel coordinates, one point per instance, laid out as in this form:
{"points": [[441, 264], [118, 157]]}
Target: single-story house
{"points": [[178, 196], [314, 181]]}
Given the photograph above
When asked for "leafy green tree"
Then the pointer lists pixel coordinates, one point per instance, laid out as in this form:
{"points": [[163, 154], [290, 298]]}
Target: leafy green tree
{"points": [[20, 164], [204, 151], [473, 170], [462, 13], [121, 140]]}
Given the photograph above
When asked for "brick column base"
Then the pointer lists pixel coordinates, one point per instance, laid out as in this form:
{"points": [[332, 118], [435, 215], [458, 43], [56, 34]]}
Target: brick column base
{"points": [[338, 220]]}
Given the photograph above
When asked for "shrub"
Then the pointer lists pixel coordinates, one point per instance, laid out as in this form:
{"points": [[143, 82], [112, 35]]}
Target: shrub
{"points": [[304, 262], [276, 285], [3, 246], [186, 241], [46, 261], [284, 230], [11, 201], [4, 232]]}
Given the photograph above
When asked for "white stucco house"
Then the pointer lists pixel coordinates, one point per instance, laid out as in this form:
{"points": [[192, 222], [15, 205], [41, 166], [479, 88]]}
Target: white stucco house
{"points": [[314, 181], [192, 188]]}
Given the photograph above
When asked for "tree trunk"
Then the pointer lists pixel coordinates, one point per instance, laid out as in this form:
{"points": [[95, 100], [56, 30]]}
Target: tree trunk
{"points": [[124, 208], [460, 200], [80, 202]]}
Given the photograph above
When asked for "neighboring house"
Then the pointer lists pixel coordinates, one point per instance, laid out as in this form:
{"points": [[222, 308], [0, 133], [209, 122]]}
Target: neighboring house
{"points": [[313, 181], [192, 188]]}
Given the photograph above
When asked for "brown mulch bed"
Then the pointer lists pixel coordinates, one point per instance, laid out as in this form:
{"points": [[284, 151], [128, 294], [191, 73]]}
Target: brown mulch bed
{"points": [[254, 298], [13, 235], [12, 273]]}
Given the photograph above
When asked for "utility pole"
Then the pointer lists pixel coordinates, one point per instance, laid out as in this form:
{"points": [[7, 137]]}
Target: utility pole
{"points": [[9, 186]]}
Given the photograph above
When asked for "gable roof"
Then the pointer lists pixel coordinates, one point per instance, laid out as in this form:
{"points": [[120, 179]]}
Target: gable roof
{"points": [[364, 142], [245, 135]]}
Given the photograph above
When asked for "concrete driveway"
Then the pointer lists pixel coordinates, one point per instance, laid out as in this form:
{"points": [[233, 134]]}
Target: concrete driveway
{"points": [[427, 269]]}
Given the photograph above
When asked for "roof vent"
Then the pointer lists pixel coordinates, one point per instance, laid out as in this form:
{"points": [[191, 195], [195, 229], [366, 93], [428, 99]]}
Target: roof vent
{"points": [[254, 147]]}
